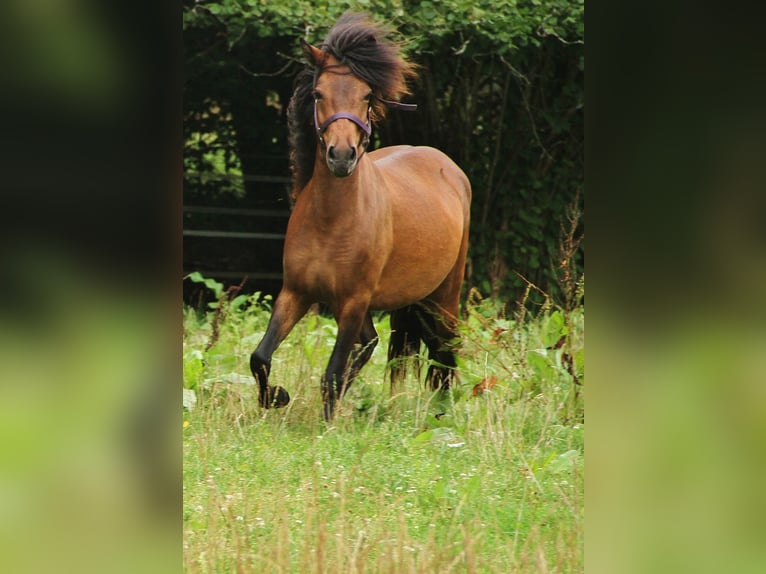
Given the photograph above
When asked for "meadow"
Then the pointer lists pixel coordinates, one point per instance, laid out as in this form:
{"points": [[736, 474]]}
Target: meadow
{"points": [[488, 477]]}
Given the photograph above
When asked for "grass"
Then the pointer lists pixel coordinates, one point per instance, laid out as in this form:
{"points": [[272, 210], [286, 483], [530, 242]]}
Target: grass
{"points": [[402, 481]]}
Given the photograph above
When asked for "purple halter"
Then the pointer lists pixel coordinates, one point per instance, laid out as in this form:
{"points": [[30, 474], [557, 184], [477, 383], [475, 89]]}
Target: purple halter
{"points": [[364, 126]]}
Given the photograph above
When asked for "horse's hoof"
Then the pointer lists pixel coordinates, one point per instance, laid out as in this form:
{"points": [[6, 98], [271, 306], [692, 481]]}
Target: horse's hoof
{"points": [[281, 397], [276, 397]]}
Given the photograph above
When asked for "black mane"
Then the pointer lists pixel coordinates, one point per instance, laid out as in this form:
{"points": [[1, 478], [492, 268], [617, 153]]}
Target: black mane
{"points": [[363, 46]]}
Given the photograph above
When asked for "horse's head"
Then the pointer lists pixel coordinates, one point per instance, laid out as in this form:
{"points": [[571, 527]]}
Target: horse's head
{"points": [[341, 112]]}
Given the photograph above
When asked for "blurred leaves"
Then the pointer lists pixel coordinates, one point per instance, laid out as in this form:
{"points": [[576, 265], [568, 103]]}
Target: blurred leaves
{"points": [[84, 434], [677, 432], [63, 50]]}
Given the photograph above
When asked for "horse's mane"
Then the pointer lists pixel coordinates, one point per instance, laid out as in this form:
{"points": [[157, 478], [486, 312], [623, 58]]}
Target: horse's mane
{"points": [[371, 55]]}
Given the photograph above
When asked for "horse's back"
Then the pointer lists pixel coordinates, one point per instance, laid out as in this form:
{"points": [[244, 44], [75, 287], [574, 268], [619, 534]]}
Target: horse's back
{"points": [[429, 197], [427, 161], [421, 176]]}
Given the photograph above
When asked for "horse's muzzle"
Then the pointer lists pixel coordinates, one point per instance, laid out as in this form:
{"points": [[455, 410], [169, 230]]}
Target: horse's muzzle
{"points": [[342, 162]]}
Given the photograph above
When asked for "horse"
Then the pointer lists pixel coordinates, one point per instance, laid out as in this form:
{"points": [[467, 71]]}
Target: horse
{"points": [[380, 230]]}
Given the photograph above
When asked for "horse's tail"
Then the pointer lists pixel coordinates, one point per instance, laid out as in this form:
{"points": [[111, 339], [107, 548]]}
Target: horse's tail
{"points": [[407, 332]]}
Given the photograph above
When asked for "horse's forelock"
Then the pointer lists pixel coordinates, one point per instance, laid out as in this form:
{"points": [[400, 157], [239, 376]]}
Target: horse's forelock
{"points": [[366, 48]]}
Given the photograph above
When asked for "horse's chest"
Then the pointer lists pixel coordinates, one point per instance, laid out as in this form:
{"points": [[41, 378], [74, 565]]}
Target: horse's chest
{"points": [[324, 268]]}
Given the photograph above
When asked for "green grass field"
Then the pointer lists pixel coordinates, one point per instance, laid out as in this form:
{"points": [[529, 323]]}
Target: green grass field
{"points": [[403, 480]]}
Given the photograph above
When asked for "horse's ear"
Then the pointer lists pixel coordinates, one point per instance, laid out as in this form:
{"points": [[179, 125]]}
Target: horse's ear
{"points": [[314, 55]]}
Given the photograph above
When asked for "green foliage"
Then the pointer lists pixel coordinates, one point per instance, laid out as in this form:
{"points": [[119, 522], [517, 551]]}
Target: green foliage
{"points": [[500, 91], [215, 286]]}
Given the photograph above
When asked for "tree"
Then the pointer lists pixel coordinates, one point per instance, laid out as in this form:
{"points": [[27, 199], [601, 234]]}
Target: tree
{"points": [[500, 91]]}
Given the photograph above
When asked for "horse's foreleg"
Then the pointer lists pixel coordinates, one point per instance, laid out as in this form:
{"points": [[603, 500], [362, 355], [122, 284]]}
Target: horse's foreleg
{"points": [[368, 340], [288, 310], [351, 318]]}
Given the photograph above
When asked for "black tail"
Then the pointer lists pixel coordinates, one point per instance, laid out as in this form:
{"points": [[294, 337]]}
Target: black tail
{"points": [[407, 333]]}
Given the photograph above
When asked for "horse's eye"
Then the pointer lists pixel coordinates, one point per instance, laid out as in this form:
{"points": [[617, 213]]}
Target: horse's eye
{"points": [[317, 96], [368, 97]]}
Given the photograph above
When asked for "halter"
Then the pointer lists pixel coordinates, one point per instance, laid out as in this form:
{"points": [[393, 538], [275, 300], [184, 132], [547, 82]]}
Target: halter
{"points": [[365, 126]]}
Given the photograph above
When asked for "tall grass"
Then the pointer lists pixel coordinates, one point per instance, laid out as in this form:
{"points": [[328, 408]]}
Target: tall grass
{"points": [[403, 480]]}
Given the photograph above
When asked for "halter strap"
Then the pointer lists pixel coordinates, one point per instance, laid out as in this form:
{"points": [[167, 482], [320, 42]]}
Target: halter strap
{"points": [[364, 126], [397, 105]]}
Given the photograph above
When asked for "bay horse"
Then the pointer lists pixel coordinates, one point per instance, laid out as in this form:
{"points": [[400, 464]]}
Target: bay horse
{"points": [[385, 230]]}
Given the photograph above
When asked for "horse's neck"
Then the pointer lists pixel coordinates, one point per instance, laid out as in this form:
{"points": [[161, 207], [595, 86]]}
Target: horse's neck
{"points": [[341, 199]]}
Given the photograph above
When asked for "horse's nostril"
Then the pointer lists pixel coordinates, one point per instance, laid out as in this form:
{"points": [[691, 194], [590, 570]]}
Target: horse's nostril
{"points": [[343, 154]]}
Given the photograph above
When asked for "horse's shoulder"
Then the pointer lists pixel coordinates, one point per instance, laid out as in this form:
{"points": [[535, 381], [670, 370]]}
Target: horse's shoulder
{"points": [[405, 153], [388, 151]]}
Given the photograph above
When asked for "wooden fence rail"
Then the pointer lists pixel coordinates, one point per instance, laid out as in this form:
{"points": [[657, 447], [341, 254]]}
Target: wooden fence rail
{"points": [[271, 276]]}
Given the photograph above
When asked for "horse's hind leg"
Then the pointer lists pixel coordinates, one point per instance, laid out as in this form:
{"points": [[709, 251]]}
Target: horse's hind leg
{"points": [[440, 337], [444, 303], [288, 310], [407, 326]]}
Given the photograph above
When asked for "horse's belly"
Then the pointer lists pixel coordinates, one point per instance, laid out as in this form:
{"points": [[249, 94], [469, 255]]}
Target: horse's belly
{"points": [[413, 277], [390, 297], [424, 255]]}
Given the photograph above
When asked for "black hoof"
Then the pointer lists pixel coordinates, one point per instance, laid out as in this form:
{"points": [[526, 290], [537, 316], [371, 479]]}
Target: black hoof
{"points": [[276, 397]]}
